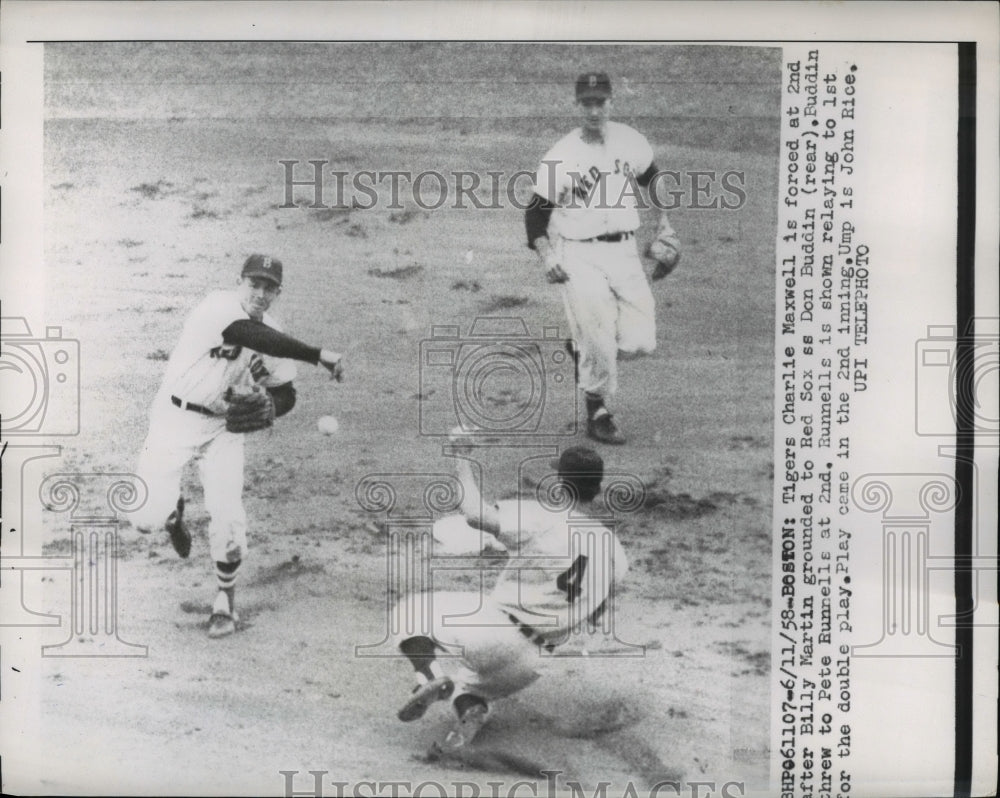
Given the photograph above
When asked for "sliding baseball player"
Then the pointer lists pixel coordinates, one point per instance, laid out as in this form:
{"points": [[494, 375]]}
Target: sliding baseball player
{"points": [[560, 577]]}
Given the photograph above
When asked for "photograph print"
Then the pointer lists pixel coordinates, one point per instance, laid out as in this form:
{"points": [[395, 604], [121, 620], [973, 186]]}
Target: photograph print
{"points": [[419, 418]]}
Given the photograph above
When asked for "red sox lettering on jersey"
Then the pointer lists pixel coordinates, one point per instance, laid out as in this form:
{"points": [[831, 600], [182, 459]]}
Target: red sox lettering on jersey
{"points": [[593, 184], [203, 367]]}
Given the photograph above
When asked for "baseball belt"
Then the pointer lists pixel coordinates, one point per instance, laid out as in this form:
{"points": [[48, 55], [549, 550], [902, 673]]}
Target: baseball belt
{"points": [[194, 408], [531, 633], [610, 238]]}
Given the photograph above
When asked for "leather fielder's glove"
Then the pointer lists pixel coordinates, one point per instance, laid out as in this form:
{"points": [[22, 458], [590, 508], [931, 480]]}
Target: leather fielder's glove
{"points": [[250, 412], [666, 251]]}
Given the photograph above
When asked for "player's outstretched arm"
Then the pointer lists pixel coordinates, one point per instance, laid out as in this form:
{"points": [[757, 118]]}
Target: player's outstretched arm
{"points": [[479, 514], [261, 338]]}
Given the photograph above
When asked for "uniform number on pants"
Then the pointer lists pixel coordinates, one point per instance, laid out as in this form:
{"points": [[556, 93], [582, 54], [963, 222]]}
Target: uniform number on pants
{"points": [[569, 581]]}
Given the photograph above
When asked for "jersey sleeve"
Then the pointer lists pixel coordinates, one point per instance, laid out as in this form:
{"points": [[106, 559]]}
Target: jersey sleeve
{"points": [[536, 219], [278, 370], [551, 178], [644, 154], [267, 340]]}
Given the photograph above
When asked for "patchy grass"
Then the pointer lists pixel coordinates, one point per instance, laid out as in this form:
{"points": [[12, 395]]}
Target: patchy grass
{"points": [[402, 273], [155, 190], [503, 303]]}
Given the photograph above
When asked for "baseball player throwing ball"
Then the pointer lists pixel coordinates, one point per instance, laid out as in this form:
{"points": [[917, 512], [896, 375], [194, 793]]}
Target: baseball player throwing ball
{"points": [[230, 374], [559, 577], [582, 223]]}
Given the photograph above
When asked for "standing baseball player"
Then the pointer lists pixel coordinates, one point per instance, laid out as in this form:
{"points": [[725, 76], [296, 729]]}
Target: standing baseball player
{"points": [[582, 222], [230, 374], [560, 577]]}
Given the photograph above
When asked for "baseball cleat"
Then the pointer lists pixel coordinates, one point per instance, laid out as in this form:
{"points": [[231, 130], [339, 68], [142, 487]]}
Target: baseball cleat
{"points": [[604, 430], [423, 696], [180, 538], [221, 626], [466, 728], [222, 623]]}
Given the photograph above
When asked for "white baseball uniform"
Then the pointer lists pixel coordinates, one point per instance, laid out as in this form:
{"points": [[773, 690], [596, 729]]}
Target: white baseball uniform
{"points": [[560, 576], [608, 301], [187, 419]]}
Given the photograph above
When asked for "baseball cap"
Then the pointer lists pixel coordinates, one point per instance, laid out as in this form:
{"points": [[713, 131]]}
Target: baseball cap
{"points": [[593, 85], [263, 266], [580, 461]]}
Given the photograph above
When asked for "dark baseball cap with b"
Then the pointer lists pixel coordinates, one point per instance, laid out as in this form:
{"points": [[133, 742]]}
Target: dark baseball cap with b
{"points": [[593, 85], [263, 266]]}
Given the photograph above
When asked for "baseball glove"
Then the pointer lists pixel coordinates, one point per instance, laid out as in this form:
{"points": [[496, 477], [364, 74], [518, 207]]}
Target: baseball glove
{"points": [[666, 251], [250, 412]]}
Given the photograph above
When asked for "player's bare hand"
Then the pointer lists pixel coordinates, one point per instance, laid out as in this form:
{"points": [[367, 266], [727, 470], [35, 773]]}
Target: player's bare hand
{"points": [[555, 274], [550, 260], [332, 362]]}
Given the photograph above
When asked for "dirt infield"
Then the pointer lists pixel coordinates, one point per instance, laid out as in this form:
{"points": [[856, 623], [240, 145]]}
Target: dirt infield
{"points": [[163, 174]]}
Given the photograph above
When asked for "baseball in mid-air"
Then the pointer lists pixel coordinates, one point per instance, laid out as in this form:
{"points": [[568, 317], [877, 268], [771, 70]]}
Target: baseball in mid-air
{"points": [[328, 425]]}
